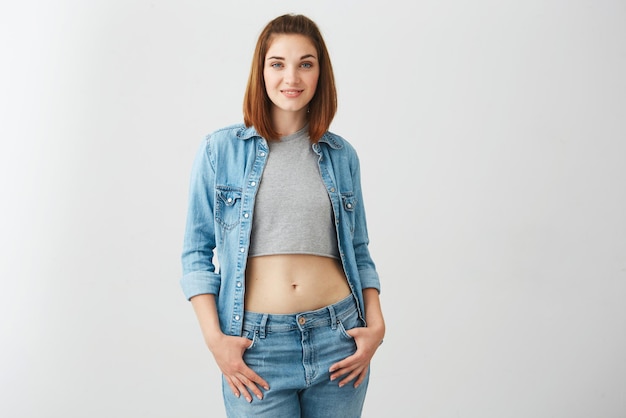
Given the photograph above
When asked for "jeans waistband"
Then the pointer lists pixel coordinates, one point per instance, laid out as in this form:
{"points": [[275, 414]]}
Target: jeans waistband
{"points": [[323, 317]]}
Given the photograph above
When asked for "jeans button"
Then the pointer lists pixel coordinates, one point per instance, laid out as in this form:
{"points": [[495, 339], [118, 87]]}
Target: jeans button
{"points": [[301, 320]]}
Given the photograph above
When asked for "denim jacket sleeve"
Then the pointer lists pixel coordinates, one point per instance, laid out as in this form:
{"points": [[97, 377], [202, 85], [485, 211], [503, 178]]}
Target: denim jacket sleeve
{"points": [[199, 272], [365, 264], [360, 241]]}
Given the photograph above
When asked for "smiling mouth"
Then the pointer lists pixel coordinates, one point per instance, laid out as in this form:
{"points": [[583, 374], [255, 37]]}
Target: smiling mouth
{"points": [[291, 93]]}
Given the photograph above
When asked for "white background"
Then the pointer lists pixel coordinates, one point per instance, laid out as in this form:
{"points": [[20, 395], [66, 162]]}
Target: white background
{"points": [[492, 137]]}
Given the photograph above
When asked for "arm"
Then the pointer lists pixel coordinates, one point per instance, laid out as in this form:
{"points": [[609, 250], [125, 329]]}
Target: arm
{"points": [[201, 282], [367, 339], [199, 272]]}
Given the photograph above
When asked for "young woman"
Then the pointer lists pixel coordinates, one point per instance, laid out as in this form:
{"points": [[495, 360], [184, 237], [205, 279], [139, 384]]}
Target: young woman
{"points": [[292, 315]]}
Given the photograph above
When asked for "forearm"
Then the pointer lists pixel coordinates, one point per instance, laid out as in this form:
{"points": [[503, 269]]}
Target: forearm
{"points": [[206, 311], [373, 311]]}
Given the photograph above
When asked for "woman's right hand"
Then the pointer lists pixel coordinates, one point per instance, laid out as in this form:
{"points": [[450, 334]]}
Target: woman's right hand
{"points": [[228, 352]]}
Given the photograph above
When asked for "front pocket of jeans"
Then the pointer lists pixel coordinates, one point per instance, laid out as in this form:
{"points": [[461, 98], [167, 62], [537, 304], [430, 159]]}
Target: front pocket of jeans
{"points": [[252, 336], [343, 331]]}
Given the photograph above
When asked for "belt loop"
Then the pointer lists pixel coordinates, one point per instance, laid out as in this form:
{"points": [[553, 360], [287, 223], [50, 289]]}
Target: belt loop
{"points": [[262, 326], [333, 317]]}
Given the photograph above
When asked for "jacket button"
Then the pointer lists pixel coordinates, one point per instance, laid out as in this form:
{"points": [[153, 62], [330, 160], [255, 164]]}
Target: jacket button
{"points": [[332, 189], [237, 317]]}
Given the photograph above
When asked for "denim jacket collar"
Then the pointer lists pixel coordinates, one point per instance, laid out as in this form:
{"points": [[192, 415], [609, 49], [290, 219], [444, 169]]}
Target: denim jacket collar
{"points": [[330, 140], [246, 133]]}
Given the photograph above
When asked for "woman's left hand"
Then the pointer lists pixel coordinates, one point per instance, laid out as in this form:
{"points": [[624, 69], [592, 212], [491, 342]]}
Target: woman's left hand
{"points": [[356, 366]]}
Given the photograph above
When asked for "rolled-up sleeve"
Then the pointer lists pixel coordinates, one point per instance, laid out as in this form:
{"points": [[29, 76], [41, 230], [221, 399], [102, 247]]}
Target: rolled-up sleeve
{"points": [[199, 271]]}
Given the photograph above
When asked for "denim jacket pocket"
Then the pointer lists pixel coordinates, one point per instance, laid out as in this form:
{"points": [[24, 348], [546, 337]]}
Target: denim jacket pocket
{"points": [[227, 206]]}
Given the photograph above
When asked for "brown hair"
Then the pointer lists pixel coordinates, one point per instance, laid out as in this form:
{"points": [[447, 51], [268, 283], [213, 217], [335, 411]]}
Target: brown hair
{"points": [[257, 104]]}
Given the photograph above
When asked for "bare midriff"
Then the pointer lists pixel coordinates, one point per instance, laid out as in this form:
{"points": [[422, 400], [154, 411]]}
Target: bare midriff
{"points": [[292, 283]]}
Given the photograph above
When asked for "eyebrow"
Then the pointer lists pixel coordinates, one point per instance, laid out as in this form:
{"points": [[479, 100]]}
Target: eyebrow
{"points": [[282, 58]]}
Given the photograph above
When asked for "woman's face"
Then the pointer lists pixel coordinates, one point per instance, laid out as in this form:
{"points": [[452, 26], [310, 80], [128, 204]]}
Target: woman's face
{"points": [[291, 71]]}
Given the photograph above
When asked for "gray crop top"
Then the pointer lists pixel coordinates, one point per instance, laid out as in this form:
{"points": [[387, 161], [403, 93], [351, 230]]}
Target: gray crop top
{"points": [[292, 212]]}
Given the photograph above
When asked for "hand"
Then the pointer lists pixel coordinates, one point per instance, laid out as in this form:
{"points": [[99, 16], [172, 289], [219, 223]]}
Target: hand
{"points": [[228, 352], [356, 366]]}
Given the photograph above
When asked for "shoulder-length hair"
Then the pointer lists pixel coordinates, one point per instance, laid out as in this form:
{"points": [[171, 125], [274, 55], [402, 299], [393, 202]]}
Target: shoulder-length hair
{"points": [[257, 104]]}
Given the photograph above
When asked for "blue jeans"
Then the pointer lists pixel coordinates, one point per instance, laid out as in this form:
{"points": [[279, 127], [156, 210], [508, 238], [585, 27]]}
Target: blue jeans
{"points": [[293, 354]]}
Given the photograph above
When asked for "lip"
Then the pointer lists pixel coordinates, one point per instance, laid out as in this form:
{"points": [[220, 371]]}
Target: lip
{"points": [[291, 92]]}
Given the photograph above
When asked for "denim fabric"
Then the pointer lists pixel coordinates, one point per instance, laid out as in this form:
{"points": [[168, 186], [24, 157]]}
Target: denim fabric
{"points": [[293, 354], [224, 181]]}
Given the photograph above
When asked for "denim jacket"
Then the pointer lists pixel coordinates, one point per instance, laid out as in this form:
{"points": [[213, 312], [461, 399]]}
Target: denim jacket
{"points": [[224, 180]]}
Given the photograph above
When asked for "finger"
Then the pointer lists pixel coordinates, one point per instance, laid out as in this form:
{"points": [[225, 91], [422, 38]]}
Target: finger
{"points": [[350, 362], [245, 343], [239, 384], [232, 386], [345, 363], [361, 378], [251, 386], [353, 332], [241, 388], [257, 379], [350, 377], [343, 371]]}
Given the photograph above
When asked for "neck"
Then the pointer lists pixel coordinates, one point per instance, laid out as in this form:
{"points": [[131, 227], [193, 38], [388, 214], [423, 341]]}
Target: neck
{"points": [[287, 123]]}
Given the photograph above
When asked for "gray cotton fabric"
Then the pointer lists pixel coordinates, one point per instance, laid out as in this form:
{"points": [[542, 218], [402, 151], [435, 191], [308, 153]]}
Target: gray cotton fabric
{"points": [[293, 213]]}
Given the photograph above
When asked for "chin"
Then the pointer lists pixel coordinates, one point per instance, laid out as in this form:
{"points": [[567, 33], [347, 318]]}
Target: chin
{"points": [[294, 109]]}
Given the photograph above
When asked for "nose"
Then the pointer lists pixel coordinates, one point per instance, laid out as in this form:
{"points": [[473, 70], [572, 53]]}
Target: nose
{"points": [[291, 75]]}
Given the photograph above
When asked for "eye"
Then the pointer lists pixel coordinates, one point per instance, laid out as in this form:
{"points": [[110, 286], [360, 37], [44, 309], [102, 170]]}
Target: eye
{"points": [[306, 65], [276, 65]]}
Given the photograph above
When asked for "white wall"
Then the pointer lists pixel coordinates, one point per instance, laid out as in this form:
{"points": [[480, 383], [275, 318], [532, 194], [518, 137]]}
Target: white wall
{"points": [[493, 141]]}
